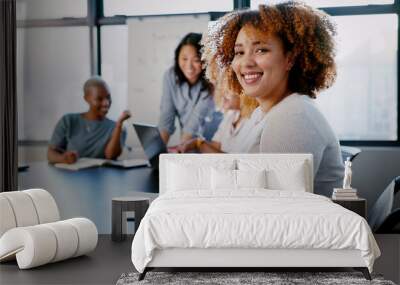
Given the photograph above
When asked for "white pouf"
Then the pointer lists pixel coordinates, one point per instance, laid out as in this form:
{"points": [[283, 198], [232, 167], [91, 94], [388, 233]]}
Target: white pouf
{"points": [[31, 232]]}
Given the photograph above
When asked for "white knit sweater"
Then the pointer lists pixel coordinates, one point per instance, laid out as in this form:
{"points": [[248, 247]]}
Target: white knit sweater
{"points": [[295, 125]]}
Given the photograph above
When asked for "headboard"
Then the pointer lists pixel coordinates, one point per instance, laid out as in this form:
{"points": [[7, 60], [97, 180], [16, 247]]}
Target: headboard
{"points": [[275, 161]]}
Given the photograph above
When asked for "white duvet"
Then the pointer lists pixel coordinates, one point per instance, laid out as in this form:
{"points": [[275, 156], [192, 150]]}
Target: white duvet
{"points": [[253, 218]]}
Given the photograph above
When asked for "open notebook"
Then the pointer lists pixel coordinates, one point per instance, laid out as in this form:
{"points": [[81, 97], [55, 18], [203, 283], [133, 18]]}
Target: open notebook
{"points": [[85, 162]]}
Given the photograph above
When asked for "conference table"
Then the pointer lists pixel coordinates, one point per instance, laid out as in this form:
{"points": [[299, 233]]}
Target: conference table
{"points": [[89, 192]]}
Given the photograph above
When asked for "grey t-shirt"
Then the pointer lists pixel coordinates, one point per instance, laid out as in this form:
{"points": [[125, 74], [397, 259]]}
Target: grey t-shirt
{"points": [[88, 137], [190, 104]]}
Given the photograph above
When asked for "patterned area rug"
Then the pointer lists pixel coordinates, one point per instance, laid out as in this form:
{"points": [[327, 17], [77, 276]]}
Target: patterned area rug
{"points": [[269, 278]]}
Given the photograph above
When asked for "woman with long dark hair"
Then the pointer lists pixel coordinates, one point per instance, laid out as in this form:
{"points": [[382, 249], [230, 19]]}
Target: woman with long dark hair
{"points": [[187, 95]]}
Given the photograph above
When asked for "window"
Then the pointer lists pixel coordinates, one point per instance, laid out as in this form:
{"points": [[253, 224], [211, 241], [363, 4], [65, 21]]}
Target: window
{"points": [[50, 9], [158, 7], [327, 3], [50, 77], [362, 103], [114, 65]]}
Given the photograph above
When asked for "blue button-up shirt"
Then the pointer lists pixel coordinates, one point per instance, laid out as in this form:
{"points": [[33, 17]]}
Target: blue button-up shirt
{"points": [[191, 104]]}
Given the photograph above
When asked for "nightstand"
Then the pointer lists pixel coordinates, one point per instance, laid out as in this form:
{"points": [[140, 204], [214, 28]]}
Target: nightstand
{"points": [[120, 205], [358, 206]]}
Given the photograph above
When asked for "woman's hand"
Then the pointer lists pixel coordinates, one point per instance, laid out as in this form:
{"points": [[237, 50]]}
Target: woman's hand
{"points": [[173, 149], [113, 147], [59, 155], [124, 116], [70, 157], [187, 146]]}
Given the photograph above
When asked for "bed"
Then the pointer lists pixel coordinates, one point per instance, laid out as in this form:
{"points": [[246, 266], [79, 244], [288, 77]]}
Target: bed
{"points": [[246, 211]]}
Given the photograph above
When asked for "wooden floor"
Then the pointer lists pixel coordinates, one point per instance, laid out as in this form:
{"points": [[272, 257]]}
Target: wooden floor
{"points": [[103, 266]]}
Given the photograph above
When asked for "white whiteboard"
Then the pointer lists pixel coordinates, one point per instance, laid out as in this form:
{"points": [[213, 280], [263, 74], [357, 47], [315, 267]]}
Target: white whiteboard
{"points": [[151, 45]]}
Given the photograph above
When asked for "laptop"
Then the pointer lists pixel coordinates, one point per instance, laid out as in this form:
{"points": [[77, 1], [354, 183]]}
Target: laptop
{"points": [[151, 141]]}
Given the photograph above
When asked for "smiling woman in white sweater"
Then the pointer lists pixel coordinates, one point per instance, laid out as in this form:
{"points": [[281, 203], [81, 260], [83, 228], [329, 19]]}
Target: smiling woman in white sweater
{"points": [[281, 55], [295, 125]]}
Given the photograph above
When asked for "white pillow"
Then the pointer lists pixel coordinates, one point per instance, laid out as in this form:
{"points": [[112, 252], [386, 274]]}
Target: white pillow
{"points": [[251, 178], [193, 174], [291, 179], [225, 179], [282, 174], [188, 177]]}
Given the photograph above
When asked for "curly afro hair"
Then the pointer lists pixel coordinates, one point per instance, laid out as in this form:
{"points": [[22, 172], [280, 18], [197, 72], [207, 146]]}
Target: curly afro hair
{"points": [[305, 32]]}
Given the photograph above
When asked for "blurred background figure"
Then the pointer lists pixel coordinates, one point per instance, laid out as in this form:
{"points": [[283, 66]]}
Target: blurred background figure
{"points": [[187, 95], [236, 110], [89, 134]]}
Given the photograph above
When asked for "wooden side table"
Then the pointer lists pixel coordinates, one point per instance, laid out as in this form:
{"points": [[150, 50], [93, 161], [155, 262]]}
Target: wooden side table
{"points": [[120, 205], [358, 206]]}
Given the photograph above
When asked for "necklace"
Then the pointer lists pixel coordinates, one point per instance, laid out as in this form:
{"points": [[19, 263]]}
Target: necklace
{"points": [[88, 128]]}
